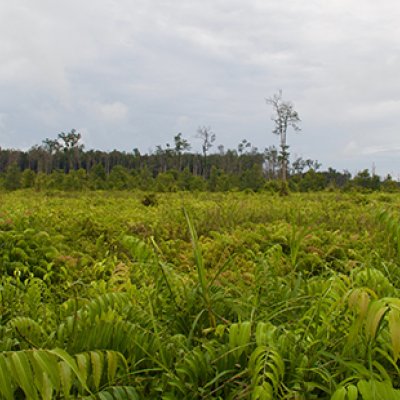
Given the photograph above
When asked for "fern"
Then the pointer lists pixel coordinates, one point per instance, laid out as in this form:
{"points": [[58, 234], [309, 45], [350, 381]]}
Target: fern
{"points": [[374, 390], [40, 374], [115, 393], [390, 223], [267, 370], [29, 332], [239, 338]]}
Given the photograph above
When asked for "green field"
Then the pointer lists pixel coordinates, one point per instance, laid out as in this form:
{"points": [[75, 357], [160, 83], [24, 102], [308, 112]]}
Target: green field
{"points": [[199, 296]]}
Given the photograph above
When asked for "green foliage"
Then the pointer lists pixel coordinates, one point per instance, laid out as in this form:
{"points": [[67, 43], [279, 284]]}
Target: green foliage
{"points": [[97, 177], [119, 178], [252, 179], [12, 180], [75, 180], [28, 179], [166, 182], [241, 295], [42, 374]]}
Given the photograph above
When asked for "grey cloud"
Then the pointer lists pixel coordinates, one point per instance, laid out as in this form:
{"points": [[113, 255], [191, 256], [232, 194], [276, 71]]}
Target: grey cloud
{"points": [[132, 74]]}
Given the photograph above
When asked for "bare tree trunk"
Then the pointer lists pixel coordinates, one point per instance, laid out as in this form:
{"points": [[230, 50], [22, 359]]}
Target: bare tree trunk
{"points": [[284, 167]]}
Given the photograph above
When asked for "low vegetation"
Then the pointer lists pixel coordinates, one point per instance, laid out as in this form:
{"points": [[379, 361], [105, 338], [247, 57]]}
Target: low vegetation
{"points": [[131, 295]]}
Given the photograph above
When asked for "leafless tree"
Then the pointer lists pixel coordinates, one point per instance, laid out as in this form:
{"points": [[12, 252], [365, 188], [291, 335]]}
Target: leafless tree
{"points": [[284, 116], [208, 138]]}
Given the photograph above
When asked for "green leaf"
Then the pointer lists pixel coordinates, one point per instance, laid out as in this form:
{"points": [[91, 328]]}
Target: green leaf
{"points": [[239, 337], [5, 379], [394, 329], [373, 390], [47, 388], [45, 362], [376, 312], [352, 392], [112, 364], [105, 396], [65, 377], [263, 392], [63, 355], [22, 373], [83, 364], [97, 367], [340, 394], [264, 333]]}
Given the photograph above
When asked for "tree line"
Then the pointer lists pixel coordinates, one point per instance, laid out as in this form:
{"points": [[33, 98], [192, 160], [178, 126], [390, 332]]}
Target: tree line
{"points": [[63, 163]]}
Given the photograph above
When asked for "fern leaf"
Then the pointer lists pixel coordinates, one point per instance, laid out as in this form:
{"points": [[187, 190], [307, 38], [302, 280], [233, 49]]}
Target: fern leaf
{"points": [[104, 396], [340, 394], [394, 329], [46, 389], [82, 361], [352, 392], [359, 298], [97, 367], [23, 374], [373, 390], [124, 393], [112, 364], [65, 374], [115, 393], [64, 356], [264, 333], [6, 388], [45, 369], [375, 315], [263, 392], [43, 362], [239, 337], [266, 366], [29, 330]]}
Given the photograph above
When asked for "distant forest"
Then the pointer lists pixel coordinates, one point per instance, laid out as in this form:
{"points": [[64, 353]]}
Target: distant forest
{"points": [[64, 164]]}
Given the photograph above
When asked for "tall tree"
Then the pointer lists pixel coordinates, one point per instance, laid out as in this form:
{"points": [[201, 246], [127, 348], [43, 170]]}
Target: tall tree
{"points": [[271, 161], [51, 147], [71, 147], [208, 138], [284, 116], [181, 145], [244, 144], [298, 165], [161, 159], [137, 159]]}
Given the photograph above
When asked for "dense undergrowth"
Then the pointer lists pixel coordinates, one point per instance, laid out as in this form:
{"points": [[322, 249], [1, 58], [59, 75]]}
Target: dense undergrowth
{"points": [[199, 296]]}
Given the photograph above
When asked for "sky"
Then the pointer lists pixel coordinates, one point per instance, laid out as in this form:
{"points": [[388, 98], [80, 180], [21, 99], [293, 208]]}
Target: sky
{"points": [[133, 73]]}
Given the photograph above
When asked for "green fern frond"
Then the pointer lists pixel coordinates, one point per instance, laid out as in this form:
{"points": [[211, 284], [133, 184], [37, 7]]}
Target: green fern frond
{"points": [[29, 331], [267, 370], [42, 373], [115, 393]]}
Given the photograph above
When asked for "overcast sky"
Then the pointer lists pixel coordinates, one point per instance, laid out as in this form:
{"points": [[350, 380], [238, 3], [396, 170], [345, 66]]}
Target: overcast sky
{"points": [[134, 73]]}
